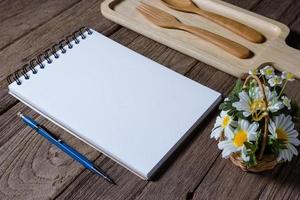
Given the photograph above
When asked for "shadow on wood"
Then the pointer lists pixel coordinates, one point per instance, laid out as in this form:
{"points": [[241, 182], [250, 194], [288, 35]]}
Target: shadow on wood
{"points": [[293, 39]]}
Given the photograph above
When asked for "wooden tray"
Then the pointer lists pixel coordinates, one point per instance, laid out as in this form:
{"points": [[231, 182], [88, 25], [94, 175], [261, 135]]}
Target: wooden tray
{"points": [[274, 50]]}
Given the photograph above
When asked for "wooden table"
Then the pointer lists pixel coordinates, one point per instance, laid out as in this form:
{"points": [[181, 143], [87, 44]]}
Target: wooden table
{"points": [[32, 168]]}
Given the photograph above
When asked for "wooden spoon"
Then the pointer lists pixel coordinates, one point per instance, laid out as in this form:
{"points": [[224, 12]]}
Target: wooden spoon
{"points": [[165, 20], [234, 26]]}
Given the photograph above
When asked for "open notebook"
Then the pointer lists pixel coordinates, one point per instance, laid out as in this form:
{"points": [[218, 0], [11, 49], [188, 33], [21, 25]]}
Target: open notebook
{"points": [[123, 104]]}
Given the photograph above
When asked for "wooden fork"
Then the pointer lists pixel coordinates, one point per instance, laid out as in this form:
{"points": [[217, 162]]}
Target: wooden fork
{"points": [[166, 20]]}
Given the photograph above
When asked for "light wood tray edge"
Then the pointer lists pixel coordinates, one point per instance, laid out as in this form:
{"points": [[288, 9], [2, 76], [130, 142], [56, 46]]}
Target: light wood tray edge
{"points": [[282, 56]]}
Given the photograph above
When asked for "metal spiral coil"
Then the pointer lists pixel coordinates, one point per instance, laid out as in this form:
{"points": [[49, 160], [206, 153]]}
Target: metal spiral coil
{"points": [[46, 56]]}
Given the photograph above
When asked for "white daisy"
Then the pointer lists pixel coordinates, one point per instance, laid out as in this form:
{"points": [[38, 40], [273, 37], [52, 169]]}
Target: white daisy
{"points": [[287, 76], [254, 101], [274, 104], [245, 132], [243, 104], [249, 105], [275, 80], [222, 123], [286, 101], [268, 71], [282, 127]]}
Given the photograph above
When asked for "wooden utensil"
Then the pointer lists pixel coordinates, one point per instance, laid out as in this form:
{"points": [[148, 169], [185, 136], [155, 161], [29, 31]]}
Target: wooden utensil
{"points": [[274, 51], [165, 20], [234, 26]]}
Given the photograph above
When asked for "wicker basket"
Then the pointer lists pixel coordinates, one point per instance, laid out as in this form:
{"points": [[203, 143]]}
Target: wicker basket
{"points": [[267, 162], [264, 162]]}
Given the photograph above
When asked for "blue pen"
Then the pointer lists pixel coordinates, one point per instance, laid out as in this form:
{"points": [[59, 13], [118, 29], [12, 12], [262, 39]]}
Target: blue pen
{"points": [[64, 147]]}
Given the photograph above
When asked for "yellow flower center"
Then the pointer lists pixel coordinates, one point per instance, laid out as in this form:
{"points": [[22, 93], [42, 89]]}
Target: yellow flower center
{"points": [[289, 76], [257, 104], [281, 134], [240, 138], [226, 121], [269, 71]]}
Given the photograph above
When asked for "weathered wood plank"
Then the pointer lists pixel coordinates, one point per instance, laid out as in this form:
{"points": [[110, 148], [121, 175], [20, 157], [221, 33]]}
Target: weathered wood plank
{"points": [[6, 101], [17, 18], [225, 180], [281, 183], [273, 9], [294, 37], [40, 195], [85, 13], [174, 183], [30, 167], [287, 183], [291, 15], [20, 17], [117, 166], [249, 5], [88, 186]]}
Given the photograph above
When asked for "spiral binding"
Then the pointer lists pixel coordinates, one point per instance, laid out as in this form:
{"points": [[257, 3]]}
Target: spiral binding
{"points": [[38, 61]]}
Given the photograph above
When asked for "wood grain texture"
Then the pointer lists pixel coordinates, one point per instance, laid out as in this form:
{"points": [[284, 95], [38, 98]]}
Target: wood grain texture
{"points": [[236, 27], [84, 13], [226, 180], [274, 9], [163, 19], [91, 188], [38, 184], [20, 17], [6, 101], [31, 168], [222, 179], [285, 185], [211, 49]]}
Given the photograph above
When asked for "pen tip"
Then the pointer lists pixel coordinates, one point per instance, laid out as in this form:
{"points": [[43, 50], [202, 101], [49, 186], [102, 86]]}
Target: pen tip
{"points": [[111, 181], [102, 174]]}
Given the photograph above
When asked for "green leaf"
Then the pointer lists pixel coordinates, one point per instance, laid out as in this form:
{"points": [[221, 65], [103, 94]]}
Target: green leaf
{"points": [[250, 146], [237, 87], [277, 145]]}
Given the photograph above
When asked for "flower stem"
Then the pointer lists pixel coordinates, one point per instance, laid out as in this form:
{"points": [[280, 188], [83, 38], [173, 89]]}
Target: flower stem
{"points": [[282, 88], [264, 80]]}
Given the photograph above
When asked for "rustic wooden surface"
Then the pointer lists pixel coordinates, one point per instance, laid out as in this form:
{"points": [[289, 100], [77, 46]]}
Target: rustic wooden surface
{"points": [[31, 168]]}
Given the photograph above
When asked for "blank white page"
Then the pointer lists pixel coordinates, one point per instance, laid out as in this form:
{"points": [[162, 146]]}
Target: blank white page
{"points": [[129, 107]]}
